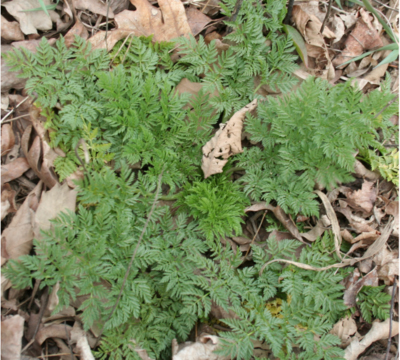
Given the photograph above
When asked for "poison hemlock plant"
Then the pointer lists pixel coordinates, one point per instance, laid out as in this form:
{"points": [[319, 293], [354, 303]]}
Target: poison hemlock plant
{"points": [[132, 115], [309, 136], [373, 302]]}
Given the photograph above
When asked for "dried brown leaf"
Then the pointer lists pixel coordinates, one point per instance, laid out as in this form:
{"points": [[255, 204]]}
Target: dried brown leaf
{"points": [[9, 79], [363, 199], [12, 330], [7, 200], [225, 143], [196, 19], [309, 27], [165, 23], [379, 330], [200, 350], [350, 294], [363, 37], [11, 30], [7, 139], [78, 336], [343, 329], [31, 21], [13, 170], [40, 157], [95, 6], [61, 331], [59, 198], [78, 29], [17, 237], [32, 46]]}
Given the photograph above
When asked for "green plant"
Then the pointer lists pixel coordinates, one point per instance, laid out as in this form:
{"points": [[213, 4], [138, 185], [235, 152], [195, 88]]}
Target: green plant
{"points": [[309, 136], [387, 164], [373, 302]]}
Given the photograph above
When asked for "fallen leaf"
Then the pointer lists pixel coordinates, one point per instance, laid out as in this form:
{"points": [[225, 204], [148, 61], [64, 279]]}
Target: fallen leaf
{"points": [[350, 294], [17, 238], [12, 330], [318, 229], [31, 21], [196, 19], [363, 172], [343, 329], [10, 79], [59, 198], [388, 265], [363, 37], [78, 336], [225, 143], [337, 25], [64, 349], [31, 45], [7, 200], [367, 237], [347, 236], [78, 29], [119, 5], [379, 330], [11, 30], [7, 139], [95, 6], [13, 170], [309, 27], [165, 23], [61, 331], [40, 157], [363, 199], [349, 18], [199, 350]]}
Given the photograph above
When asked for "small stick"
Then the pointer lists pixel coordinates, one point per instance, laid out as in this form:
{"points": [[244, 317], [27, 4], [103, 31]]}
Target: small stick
{"points": [[132, 258], [289, 12], [256, 234], [326, 16], [391, 319], [41, 313], [12, 110]]}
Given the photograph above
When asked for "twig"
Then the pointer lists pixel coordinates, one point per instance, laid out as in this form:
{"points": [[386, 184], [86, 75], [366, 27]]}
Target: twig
{"points": [[69, 342], [326, 16], [16, 118], [289, 12], [256, 234], [391, 319], [41, 313], [12, 110], [108, 9], [133, 257], [386, 6]]}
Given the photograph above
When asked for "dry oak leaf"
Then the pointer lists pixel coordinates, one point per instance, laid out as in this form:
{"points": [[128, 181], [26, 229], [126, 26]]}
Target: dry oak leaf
{"points": [[7, 139], [363, 37], [59, 198], [309, 26], [12, 330], [7, 200], [31, 21], [11, 30], [16, 239], [379, 330], [363, 199], [196, 19], [343, 329], [165, 23], [199, 350], [95, 6], [78, 29], [13, 170], [225, 143]]}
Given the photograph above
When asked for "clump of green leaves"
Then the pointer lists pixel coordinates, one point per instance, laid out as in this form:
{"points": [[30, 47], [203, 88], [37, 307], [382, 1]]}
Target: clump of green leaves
{"points": [[387, 164], [373, 302], [311, 136]]}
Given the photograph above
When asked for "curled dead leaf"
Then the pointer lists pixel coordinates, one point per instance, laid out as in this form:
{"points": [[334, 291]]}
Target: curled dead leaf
{"points": [[78, 336], [11, 30], [39, 156], [7, 139], [7, 200], [363, 37], [61, 331], [225, 143], [199, 350], [78, 29], [12, 330], [350, 294], [379, 330], [343, 329], [13, 170], [17, 237]]}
